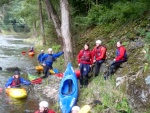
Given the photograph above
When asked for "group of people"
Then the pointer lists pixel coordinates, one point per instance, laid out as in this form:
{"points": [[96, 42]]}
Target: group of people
{"points": [[87, 58]]}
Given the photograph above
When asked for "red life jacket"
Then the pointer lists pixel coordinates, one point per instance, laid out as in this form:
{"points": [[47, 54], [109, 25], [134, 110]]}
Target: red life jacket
{"points": [[15, 82], [98, 52], [86, 56]]}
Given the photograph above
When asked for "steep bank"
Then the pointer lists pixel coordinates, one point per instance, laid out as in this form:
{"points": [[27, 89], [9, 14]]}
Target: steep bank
{"points": [[131, 95]]}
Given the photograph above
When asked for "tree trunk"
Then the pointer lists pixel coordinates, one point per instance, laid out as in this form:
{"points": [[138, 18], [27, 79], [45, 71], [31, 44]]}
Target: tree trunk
{"points": [[53, 15], [41, 22], [34, 30], [65, 31]]}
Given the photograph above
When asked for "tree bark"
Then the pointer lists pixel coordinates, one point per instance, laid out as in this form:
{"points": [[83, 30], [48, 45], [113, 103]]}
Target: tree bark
{"points": [[54, 17], [41, 22], [34, 30], [65, 31]]}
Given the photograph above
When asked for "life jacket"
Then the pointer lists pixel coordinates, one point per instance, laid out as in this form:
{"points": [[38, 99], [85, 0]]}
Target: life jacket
{"points": [[15, 82], [50, 58], [85, 56], [98, 51], [125, 57]]}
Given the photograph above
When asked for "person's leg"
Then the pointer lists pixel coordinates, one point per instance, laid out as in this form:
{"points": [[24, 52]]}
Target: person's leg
{"points": [[46, 71], [97, 66], [113, 68], [86, 80], [81, 76]]}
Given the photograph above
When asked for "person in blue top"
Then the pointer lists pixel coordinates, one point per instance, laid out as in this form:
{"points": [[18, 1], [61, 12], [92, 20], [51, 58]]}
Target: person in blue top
{"points": [[40, 56], [47, 61], [16, 80]]}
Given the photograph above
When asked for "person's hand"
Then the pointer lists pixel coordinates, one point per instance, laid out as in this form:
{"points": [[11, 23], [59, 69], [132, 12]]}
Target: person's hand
{"points": [[44, 64], [8, 87], [114, 60], [94, 61]]}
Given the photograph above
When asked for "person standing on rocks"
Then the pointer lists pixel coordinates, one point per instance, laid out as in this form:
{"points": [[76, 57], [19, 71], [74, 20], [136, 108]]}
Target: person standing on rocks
{"points": [[121, 57], [99, 56], [84, 62], [43, 108], [47, 61]]}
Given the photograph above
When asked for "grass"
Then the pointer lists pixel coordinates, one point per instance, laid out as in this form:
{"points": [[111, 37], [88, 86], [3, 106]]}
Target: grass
{"points": [[106, 92]]}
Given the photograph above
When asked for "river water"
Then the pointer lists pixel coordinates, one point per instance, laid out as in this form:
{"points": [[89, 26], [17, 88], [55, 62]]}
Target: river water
{"points": [[11, 48]]}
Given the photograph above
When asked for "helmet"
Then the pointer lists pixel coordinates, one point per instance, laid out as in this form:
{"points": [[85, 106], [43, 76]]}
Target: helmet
{"points": [[43, 104], [17, 73], [50, 49], [42, 50], [98, 41], [76, 108]]}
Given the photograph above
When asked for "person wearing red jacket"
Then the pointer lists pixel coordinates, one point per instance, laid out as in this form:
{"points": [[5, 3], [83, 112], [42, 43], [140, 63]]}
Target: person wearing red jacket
{"points": [[121, 57], [99, 56], [84, 62], [43, 108]]}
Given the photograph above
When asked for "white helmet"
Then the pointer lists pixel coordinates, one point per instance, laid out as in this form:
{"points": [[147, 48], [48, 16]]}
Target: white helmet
{"points": [[43, 104], [76, 108], [42, 50], [98, 41], [50, 49]]}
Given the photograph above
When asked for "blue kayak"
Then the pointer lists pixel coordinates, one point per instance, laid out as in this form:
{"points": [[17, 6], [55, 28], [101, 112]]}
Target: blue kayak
{"points": [[68, 92]]}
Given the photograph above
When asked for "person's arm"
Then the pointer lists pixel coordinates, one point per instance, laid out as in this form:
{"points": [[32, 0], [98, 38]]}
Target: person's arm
{"points": [[79, 56], [23, 81], [58, 54], [8, 83]]}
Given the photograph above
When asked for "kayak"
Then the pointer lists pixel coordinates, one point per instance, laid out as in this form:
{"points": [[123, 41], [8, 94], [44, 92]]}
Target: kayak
{"points": [[68, 92], [32, 77], [16, 92], [41, 68], [77, 73], [85, 109], [31, 53]]}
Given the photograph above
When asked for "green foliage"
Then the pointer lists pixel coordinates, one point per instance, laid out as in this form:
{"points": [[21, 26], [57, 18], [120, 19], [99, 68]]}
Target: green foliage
{"points": [[120, 11]]}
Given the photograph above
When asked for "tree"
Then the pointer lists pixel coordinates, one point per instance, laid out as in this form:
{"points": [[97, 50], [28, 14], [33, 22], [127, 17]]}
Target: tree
{"points": [[62, 27], [41, 22], [65, 30]]}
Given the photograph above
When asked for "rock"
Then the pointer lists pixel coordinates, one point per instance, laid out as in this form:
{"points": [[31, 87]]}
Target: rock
{"points": [[0, 68], [120, 80], [12, 69], [147, 80]]}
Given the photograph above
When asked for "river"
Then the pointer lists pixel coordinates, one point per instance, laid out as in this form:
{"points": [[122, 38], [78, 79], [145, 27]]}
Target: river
{"points": [[11, 48]]}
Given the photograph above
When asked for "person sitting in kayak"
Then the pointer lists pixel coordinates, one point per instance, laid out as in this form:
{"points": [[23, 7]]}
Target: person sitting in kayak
{"points": [[84, 62], [31, 49], [16, 80], [43, 108], [47, 60], [75, 109], [40, 56]]}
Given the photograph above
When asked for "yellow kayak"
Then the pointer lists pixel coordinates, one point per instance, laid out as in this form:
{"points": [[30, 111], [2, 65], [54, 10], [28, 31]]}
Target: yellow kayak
{"points": [[85, 109], [40, 68], [16, 92]]}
